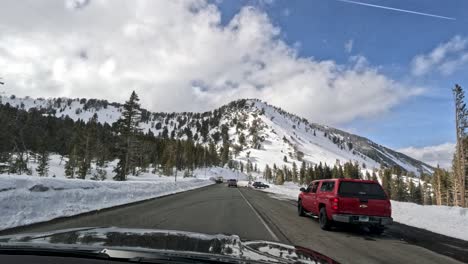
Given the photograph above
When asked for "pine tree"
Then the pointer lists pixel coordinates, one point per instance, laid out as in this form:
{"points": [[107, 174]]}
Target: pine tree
{"points": [[70, 164], [241, 139], [422, 194], [327, 173], [267, 173], [88, 141], [355, 172], [340, 172], [418, 194], [346, 170], [43, 167], [249, 166], [101, 164], [335, 172], [286, 173], [399, 189], [226, 144], [18, 163], [321, 171], [441, 185], [426, 194], [294, 174], [387, 182], [279, 177], [213, 158], [302, 173], [101, 174], [461, 154], [127, 126], [368, 176], [411, 191], [285, 159]]}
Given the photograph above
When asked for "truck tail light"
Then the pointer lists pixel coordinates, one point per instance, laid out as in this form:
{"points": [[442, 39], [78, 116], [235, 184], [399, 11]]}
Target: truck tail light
{"points": [[335, 203]]}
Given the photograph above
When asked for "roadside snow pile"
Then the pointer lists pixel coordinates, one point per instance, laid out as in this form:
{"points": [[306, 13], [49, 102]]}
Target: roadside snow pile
{"points": [[288, 189], [446, 220], [27, 199]]}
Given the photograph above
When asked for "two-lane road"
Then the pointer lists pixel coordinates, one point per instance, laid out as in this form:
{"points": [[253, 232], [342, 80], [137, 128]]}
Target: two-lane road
{"points": [[251, 215]]}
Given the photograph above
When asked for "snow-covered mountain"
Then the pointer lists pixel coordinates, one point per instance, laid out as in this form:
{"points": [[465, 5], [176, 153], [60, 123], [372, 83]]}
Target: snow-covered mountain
{"points": [[262, 133]]}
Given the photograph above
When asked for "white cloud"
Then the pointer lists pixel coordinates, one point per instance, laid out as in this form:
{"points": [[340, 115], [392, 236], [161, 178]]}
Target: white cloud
{"points": [[179, 57], [441, 155], [445, 58], [348, 46]]}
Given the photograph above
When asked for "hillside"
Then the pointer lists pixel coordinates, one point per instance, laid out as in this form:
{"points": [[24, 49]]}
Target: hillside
{"points": [[257, 131]]}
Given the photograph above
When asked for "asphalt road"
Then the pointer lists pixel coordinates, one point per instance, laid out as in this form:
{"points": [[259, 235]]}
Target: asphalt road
{"points": [[254, 215]]}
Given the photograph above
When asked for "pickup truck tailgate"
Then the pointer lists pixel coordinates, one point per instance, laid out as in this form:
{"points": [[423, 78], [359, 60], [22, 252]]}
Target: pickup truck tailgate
{"points": [[361, 198]]}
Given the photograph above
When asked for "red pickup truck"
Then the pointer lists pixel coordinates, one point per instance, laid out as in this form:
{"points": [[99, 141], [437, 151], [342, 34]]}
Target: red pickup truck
{"points": [[346, 200]]}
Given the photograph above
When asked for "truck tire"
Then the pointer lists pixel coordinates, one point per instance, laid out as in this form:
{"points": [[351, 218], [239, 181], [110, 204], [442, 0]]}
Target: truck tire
{"points": [[300, 209], [325, 224]]}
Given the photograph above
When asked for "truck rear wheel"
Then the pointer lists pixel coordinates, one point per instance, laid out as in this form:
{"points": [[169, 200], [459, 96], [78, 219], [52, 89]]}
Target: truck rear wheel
{"points": [[300, 209], [325, 224]]}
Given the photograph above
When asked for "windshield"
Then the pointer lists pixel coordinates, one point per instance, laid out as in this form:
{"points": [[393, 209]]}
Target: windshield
{"points": [[338, 127]]}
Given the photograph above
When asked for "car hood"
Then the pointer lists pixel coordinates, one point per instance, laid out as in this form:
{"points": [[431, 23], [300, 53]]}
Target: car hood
{"points": [[182, 243]]}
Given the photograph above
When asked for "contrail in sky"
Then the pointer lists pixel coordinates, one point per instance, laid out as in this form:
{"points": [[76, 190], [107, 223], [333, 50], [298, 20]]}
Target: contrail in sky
{"points": [[396, 9]]}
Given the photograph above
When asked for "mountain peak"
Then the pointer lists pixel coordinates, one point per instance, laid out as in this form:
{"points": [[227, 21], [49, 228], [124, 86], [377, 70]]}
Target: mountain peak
{"points": [[258, 132]]}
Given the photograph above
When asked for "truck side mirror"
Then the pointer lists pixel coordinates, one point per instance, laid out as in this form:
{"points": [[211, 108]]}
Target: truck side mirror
{"points": [[302, 189]]}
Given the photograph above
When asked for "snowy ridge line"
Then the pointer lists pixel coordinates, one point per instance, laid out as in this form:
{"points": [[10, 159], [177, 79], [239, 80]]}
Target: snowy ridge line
{"points": [[318, 143]]}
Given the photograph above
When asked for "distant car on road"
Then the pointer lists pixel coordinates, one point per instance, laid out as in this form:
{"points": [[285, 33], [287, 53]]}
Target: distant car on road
{"points": [[351, 201], [260, 185], [232, 183], [219, 180]]}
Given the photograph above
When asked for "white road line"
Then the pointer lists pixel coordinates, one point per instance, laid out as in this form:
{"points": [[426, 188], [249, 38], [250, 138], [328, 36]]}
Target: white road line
{"points": [[259, 217]]}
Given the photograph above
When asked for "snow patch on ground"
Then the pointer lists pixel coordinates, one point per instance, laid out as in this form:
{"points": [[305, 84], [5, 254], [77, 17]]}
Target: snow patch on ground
{"points": [[288, 189], [27, 199], [446, 220]]}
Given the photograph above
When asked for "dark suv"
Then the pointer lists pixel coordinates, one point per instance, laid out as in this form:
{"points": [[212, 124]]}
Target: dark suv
{"points": [[232, 183], [260, 185]]}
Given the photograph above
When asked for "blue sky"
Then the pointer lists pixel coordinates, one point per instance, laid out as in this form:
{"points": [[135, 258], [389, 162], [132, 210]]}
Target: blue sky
{"points": [[389, 40]]}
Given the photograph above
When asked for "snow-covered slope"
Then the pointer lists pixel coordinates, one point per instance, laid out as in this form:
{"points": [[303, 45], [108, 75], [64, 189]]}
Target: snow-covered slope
{"points": [[258, 132]]}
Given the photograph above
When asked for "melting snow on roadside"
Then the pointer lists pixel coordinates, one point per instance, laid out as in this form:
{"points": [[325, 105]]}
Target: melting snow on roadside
{"points": [[446, 220], [28, 199]]}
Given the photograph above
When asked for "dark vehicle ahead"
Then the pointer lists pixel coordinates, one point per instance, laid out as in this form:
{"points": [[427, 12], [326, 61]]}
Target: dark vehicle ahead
{"points": [[260, 185], [232, 183], [117, 245], [219, 180], [351, 201]]}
